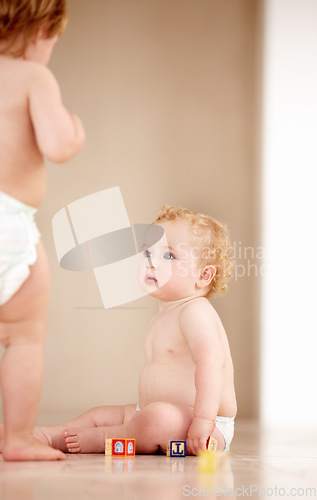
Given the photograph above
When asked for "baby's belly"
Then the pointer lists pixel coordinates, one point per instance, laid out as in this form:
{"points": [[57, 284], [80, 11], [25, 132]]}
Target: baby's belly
{"points": [[167, 381]]}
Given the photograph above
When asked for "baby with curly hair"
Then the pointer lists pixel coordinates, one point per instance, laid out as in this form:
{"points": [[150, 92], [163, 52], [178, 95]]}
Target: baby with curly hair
{"points": [[186, 388]]}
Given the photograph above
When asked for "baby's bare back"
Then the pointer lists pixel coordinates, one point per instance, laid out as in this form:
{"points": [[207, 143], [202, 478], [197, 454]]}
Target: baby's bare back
{"points": [[169, 371], [34, 124], [22, 172]]}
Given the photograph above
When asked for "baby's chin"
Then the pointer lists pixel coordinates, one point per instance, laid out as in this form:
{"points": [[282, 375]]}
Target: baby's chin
{"points": [[148, 286], [156, 291], [163, 293]]}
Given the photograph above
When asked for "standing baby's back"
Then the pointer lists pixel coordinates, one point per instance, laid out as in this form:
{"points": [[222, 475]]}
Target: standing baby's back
{"points": [[19, 154]]}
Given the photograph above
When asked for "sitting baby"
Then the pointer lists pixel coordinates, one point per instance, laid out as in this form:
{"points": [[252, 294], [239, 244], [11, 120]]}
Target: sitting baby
{"points": [[186, 388]]}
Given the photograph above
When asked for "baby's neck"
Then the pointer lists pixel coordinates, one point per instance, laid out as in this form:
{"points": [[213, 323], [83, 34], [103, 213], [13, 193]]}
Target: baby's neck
{"points": [[14, 47], [168, 305]]}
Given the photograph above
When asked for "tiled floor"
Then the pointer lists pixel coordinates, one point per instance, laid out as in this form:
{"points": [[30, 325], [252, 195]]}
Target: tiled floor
{"points": [[280, 462]]}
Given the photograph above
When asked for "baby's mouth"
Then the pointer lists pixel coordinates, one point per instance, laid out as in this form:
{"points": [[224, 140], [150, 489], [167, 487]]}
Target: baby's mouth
{"points": [[150, 279]]}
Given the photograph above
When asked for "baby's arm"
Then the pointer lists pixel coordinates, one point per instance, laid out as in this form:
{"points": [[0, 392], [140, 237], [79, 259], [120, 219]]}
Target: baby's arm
{"points": [[199, 327], [59, 134]]}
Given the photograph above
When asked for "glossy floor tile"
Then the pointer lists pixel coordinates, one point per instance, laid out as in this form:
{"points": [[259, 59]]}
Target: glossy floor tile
{"points": [[263, 463]]}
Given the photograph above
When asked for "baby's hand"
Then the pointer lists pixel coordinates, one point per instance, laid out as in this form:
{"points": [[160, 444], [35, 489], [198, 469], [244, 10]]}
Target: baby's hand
{"points": [[199, 431]]}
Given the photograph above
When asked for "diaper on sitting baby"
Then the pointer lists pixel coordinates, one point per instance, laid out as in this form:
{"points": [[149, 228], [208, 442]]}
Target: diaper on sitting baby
{"points": [[226, 427], [224, 424], [18, 239]]}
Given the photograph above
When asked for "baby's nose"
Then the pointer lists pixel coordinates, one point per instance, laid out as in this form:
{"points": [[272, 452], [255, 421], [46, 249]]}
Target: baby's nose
{"points": [[152, 263]]}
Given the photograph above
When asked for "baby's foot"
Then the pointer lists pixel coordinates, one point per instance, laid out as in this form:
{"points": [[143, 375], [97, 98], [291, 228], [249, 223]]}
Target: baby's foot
{"points": [[38, 433], [42, 434], [29, 449], [51, 436], [88, 440]]}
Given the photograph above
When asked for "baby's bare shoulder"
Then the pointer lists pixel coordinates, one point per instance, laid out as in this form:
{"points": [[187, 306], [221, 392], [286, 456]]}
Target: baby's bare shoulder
{"points": [[38, 74], [16, 66], [197, 307], [25, 76]]}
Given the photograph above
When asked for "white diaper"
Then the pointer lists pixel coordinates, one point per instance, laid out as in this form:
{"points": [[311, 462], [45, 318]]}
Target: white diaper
{"points": [[226, 427], [18, 239]]}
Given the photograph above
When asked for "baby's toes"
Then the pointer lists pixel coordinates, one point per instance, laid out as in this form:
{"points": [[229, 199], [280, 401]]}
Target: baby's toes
{"points": [[70, 433], [73, 447], [72, 444], [72, 441]]}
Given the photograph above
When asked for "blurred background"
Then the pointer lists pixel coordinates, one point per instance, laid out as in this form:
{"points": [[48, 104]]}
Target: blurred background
{"points": [[210, 105]]}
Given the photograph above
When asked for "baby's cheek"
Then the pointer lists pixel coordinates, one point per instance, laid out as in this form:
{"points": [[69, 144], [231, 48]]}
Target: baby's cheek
{"points": [[165, 273], [180, 271], [174, 285]]}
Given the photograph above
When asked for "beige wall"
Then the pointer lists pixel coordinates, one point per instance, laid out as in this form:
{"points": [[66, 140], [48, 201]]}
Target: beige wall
{"points": [[165, 89]]}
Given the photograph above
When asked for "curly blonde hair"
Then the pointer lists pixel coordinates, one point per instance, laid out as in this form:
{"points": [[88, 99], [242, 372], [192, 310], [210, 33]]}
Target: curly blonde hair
{"points": [[23, 18], [216, 244]]}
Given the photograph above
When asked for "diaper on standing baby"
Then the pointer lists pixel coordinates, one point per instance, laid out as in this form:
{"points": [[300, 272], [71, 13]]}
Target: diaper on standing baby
{"points": [[18, 239]]}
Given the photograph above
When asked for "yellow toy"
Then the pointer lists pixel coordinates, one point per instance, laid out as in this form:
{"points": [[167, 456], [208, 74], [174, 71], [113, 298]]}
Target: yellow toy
{"points": [[207, 459]]}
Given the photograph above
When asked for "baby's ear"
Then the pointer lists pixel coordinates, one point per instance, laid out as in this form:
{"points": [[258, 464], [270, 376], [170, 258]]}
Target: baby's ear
{"points": [[206, 276]]}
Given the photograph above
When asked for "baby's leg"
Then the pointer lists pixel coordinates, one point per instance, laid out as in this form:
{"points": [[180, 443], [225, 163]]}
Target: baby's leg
{"points": [[151, 428], [22, 332], [96, 417]]}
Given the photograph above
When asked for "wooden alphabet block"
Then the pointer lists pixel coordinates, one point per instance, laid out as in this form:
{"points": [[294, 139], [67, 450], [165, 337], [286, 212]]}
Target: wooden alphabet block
{"points": [[176, 449], [115, 447], [120, 447], [130, 447], [108, 447], [211, 444]]}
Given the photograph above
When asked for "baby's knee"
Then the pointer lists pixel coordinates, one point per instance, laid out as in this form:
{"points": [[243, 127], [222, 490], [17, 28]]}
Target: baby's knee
{"points": [[162, 417]]}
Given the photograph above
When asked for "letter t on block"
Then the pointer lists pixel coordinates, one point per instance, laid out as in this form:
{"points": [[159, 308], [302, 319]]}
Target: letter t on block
{"points": [[176, 449]]}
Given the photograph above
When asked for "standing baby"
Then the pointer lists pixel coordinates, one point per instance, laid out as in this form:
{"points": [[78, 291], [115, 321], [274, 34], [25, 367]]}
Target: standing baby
{"points": [[186, 388], [33, 124]]}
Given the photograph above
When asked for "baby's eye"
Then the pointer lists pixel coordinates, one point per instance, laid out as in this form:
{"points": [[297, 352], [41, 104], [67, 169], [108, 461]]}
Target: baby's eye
{"points": [[169, 256], [147, 254]]}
